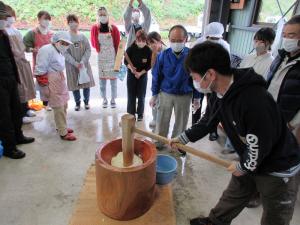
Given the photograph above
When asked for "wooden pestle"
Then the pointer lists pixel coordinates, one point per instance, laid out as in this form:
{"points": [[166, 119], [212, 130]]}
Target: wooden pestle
{"points": [[128, 123], [128, 130]]}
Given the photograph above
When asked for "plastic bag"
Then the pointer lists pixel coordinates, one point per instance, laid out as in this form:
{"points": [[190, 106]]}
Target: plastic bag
{"points": [[122, 73], [83, 76], [35, 104]]}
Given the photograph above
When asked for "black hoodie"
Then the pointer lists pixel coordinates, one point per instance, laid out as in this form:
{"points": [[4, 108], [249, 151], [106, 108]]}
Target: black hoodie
{"points": [[253, 123]]}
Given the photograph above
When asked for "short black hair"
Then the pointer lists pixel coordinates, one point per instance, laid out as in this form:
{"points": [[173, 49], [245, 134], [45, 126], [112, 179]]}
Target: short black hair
{"points": [[72, 17], [208, 55], [44, 13], [178, 26], [294, 20], [265, 34]]}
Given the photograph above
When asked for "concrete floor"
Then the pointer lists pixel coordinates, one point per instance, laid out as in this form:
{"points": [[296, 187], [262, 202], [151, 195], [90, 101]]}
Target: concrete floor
{"points": [[42, 188]]}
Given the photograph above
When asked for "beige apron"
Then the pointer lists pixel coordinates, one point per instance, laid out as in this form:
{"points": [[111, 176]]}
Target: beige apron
{"points": [[26, 87]]}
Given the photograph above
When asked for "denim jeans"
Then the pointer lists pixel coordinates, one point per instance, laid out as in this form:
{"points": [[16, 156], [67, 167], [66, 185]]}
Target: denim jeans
{"points": [[113, 84], [86, 96]]}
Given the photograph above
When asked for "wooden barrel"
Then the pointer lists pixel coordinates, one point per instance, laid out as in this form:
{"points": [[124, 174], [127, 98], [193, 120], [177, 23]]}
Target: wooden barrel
{"points": [[125, 193]]}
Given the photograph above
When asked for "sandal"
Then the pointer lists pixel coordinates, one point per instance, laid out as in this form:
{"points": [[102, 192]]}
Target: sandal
{"points": [[70, 130], [68, 137]]}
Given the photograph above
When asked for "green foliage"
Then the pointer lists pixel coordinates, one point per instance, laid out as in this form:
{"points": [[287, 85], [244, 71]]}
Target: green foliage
{"points": [[86, 9]]}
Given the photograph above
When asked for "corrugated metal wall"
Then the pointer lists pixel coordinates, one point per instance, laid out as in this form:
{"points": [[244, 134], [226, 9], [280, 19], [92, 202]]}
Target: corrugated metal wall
{"points": [[240, 34]]}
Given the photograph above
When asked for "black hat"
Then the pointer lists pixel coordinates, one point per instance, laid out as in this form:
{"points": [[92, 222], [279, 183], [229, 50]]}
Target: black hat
{"points": [[3, 11]]}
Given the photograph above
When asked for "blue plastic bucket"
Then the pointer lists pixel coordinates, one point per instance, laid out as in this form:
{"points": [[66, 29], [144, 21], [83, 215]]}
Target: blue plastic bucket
{"points": [[165, 169]]}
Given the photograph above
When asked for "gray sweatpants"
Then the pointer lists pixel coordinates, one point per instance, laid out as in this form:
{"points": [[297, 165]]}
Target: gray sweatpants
{"points": [[278, 197], [181, 105]]}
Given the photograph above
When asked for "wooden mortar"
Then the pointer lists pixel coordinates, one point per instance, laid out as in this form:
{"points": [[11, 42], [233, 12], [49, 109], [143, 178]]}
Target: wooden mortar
{"points": [[125, 193]]}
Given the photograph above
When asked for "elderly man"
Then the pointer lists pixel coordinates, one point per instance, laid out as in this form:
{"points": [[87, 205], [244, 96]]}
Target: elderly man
{"points": [[268, 151], [10, 111], [172, 84], [132, 19]]}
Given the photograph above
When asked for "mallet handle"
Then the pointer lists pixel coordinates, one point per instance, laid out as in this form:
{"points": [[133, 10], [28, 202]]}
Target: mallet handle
{"points": [[185, 148]]}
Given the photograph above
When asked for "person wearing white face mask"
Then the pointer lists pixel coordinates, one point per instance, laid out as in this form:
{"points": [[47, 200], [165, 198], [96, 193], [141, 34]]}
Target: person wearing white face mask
{"points": [[132, 19], [26, 87], [269, 156], [262, 58], [138, 61], [213, 32], [172, 84], [105, 38], [36, 38], [284, 75], [77, 59], [49, 72]]}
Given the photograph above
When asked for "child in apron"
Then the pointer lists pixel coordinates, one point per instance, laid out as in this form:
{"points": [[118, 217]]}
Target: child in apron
{"points": [[49, 69]]}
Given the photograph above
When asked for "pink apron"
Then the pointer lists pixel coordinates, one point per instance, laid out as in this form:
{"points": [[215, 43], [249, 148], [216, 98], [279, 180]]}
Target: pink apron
{"points": [[39, 41], [58, 94]]}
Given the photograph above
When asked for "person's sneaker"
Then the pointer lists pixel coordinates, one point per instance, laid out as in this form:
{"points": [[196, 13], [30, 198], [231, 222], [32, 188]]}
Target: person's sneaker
{"points": [[48, 108], [201, 221], [14, 154], [25, 140], [77, 108], [113, 104], [68, 137], [87, 106], [152, 124], [30, 113], [27, 120], [140, 118], [213, 136], [105, 103]]}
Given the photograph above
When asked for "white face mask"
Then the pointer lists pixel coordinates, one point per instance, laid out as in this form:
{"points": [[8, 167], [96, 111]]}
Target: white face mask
{"points": [[136, 17], [290, 45], [3, 24], [260, 47], [177, 47], [103, 19], [141, 44], [197, 86], [45, 23], [62, 49], [10, 21], [73, 26]]}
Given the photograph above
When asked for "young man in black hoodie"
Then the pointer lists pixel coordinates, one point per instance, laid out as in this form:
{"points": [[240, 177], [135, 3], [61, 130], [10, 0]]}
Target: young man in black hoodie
{"points": [[268, 151]]}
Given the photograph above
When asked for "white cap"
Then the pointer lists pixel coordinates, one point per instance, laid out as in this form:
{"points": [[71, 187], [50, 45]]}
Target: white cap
{"points": [[214, 29], [61, 36]]}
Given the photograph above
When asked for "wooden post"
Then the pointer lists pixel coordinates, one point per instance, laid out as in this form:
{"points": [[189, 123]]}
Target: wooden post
{"points": [[128, 123], [120, 55]]}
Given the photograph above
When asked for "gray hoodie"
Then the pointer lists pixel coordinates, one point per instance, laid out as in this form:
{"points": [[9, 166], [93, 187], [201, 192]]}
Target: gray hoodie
{"points": [[129, 26]]}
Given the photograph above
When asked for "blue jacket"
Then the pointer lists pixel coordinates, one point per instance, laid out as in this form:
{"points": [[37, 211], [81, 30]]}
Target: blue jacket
{"points": [[170, 76]]}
